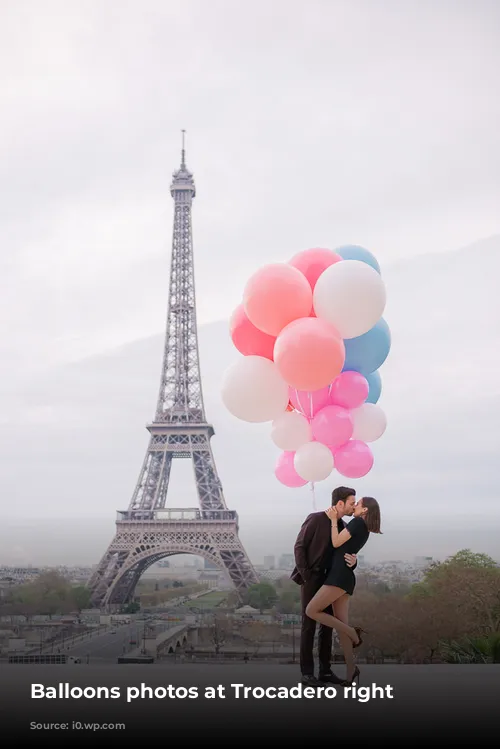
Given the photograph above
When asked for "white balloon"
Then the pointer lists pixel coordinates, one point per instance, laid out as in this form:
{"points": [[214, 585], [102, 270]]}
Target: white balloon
{"points": [[290, 431], [313, 461], [253, 390], [369, 421], [351, 295]]}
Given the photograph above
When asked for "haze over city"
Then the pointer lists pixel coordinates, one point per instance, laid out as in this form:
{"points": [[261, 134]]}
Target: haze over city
{"points": [[299, 134]]}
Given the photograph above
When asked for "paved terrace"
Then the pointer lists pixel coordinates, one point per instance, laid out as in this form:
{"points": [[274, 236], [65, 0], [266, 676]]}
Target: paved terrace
{"points": [[457, 704]]}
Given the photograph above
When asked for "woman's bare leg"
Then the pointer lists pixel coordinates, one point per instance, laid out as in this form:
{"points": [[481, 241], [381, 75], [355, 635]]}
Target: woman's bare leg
{"points": [[326, 595], [341, 608]]}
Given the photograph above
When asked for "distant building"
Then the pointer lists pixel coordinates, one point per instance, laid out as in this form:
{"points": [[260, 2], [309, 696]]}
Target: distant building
{"points": [[20, 574], [287, 562], [423, 561], [269, 562]]}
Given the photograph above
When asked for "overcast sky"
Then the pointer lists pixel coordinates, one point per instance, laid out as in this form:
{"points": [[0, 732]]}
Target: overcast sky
{"points": [[308, 124]]}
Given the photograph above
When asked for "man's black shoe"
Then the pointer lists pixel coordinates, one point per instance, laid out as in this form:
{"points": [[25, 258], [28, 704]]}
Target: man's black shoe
{"points": [[330, 678], [308, 680]]}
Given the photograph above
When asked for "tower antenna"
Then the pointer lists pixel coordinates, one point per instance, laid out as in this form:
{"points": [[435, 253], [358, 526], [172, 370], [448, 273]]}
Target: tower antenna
{"points": [[183, 160]]}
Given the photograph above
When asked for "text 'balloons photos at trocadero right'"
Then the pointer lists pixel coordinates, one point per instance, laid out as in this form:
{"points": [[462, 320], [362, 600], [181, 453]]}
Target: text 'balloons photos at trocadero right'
{"points": [[312, 337]]}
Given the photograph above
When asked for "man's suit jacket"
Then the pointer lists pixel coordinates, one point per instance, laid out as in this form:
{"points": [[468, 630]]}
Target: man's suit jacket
{"points": [[313, 548]]}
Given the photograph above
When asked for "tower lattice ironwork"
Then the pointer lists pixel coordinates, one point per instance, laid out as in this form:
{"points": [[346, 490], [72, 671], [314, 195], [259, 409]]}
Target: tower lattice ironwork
{"points": [[148, 530]]}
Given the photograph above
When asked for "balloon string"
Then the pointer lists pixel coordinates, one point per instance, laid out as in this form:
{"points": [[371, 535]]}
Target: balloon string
{"points": [[311, 411]]}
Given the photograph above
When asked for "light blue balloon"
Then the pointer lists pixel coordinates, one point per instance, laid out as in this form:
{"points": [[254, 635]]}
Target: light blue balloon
{"points": [[375, 383], [368, 352], [354, 252]]}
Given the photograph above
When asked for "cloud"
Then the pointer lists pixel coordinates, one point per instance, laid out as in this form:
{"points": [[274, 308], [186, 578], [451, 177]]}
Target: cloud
{"points": [[318, 124], [77, 438], [307, 125]]}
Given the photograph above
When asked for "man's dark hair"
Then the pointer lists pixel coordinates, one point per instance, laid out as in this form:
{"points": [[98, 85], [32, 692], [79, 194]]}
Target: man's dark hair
{"points": [[341, 493]]}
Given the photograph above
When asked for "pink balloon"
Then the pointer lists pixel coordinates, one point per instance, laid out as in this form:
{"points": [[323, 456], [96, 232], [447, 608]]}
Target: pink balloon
{"points": [[276, 295], [249, 340], [313, 262], [286, 473], [309, 353], [332, 426], [350, 390], [309, 403], [354, 459]]}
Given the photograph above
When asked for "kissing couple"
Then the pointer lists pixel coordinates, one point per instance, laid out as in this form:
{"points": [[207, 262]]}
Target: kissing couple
{"points": [[325, 559]]}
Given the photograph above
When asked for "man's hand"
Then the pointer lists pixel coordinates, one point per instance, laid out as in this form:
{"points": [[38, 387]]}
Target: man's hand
{"points": [[350, 559], [332, 514]]}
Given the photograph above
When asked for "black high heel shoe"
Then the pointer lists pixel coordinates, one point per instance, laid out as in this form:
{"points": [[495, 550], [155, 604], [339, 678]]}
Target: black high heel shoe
{"points": [[358, 631], [355, 677]]}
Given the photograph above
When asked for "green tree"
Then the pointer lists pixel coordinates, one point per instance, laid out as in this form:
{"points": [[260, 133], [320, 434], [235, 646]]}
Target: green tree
{"points": [[464, 559], [467, 584], [48, 594], [473, 650], [289, 602], [468, 558], [80, 596], [464, 562], [261, 596], [132, 608]]}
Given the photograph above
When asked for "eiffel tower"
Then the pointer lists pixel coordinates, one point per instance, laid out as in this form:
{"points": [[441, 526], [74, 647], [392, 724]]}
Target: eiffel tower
{"points": [[148, 531]]}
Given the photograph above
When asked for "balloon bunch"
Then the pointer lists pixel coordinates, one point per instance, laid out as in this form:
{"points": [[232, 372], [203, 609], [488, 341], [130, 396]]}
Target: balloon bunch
{"points": [[313, 338]]}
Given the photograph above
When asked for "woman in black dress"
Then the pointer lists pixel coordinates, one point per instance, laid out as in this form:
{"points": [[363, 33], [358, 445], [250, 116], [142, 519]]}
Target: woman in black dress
{"points": [[341, 581]]}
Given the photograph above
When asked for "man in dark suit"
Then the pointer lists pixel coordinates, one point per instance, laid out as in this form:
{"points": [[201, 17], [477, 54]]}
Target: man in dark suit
{"points": [[313, 558]]}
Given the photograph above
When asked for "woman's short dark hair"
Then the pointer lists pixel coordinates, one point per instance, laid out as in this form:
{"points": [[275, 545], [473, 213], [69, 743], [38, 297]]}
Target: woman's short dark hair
{"points": [[341, 493], [372, 517]]}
